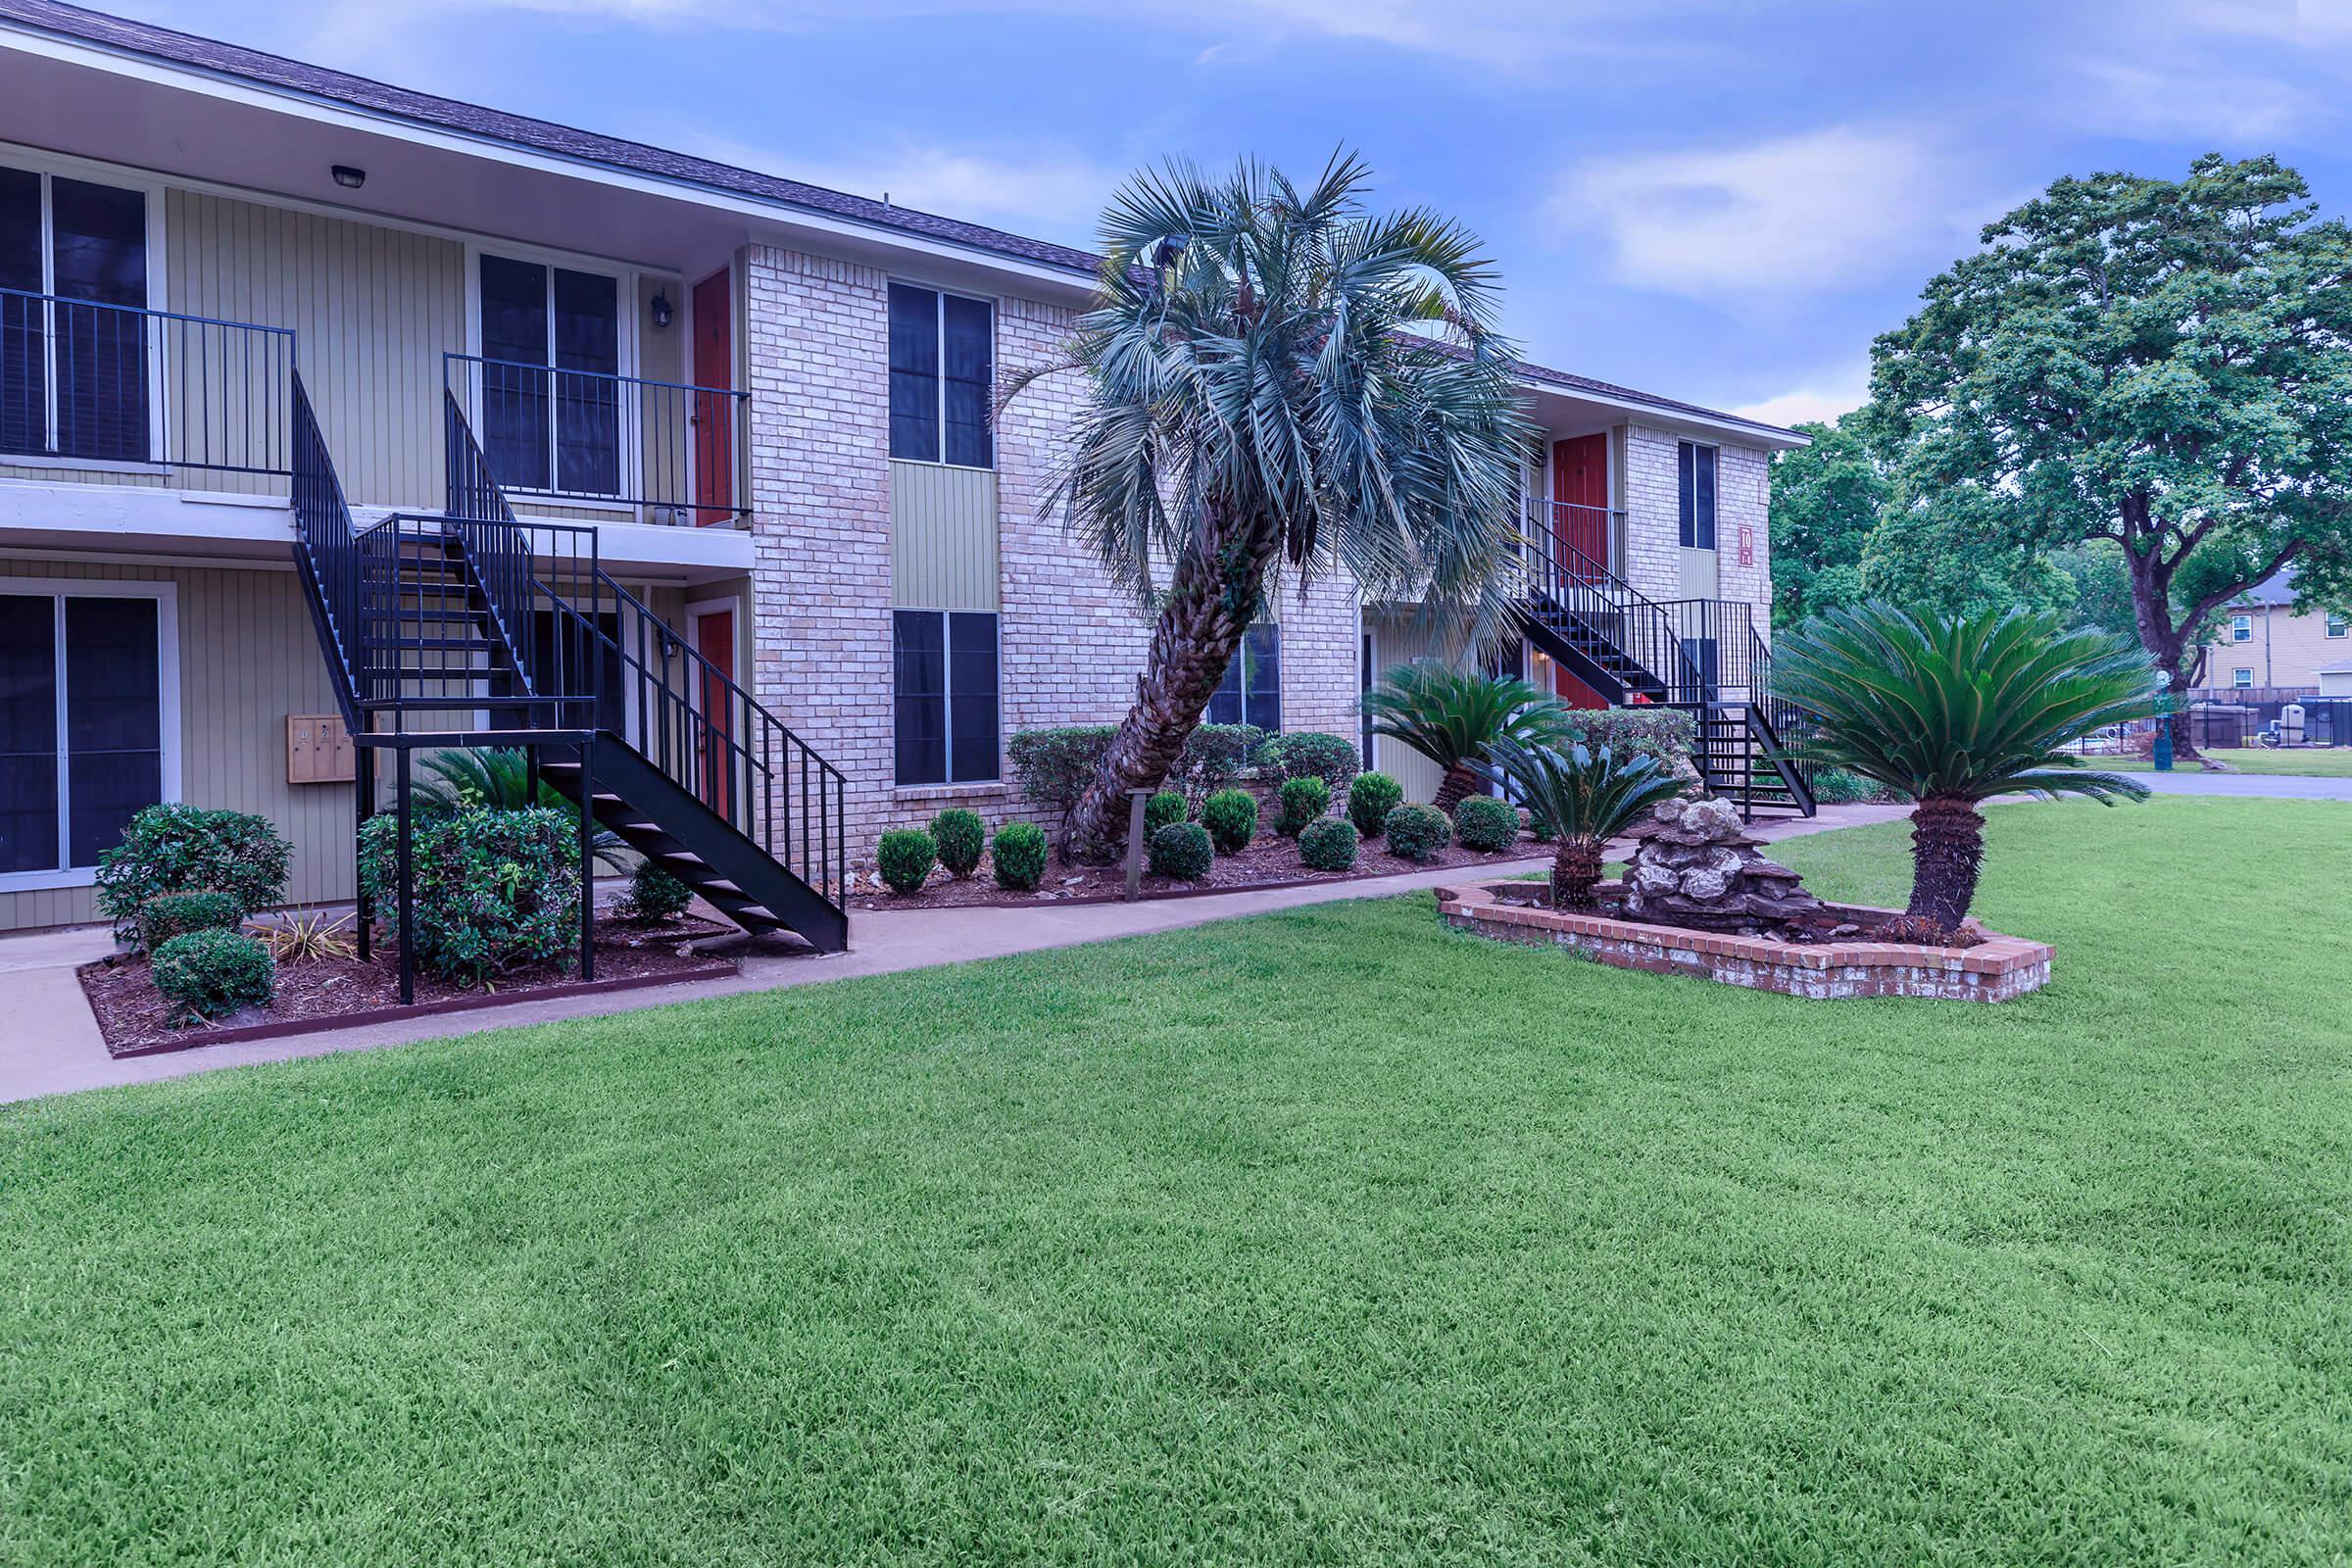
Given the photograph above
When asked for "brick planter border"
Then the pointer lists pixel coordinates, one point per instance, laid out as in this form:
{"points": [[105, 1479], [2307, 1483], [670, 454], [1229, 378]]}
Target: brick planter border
{"points": [[1997, 970]]}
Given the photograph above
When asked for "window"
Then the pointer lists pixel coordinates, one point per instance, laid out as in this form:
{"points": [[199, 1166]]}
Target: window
{"points": [[74, 371], [87, 721], [1695, 476], [942, 365], [551, 403], [1251, 691], [2336, 626], [944, 685], [2241, 678], [2241, 628]]}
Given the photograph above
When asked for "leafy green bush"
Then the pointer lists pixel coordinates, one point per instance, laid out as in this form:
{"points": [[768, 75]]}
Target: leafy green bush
{"points": [[1231, 819], [1303, 800], [654, 896], [1834, 786], [1018, 856], [171, 914], [1486, 825], [1371, 797], [1311, 754], [1161, 809], [1182, 850], [960, 836], [186, 849], [214, 971], [904, 858], [1213, 756], [1052, 766], [1328, 845], [495, 890], [1418, 832], [1665, 733]]}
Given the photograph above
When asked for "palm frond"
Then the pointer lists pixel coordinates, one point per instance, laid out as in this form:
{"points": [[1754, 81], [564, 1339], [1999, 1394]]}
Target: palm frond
{"points": [[1454, 717]]}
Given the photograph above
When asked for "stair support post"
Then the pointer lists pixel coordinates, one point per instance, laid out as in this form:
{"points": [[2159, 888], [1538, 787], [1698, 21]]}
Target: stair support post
{"points": [[364, 796], [408, 882], [587, 836]]}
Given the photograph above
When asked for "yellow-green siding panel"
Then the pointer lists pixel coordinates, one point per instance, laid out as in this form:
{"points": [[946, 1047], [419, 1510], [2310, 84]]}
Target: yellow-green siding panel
{"points": [[943, 537]]}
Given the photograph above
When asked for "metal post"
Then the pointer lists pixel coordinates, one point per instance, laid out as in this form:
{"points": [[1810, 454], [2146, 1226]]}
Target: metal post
{"points": [[408, 883], [1135, 842], [363, 770], [587, 878]]}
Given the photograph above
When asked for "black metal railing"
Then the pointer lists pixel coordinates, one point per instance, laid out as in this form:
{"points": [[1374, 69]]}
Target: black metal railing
{"points": [[673, 451], [90, 382], [1614, 623]]}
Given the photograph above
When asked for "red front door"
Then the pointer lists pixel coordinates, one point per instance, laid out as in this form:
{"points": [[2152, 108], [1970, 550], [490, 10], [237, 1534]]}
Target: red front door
{"points": [[1580, 495], [715, 640], [713, 416]]}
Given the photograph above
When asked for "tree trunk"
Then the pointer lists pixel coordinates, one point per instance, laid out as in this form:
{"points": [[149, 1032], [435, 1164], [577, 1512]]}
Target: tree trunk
{"points": [[1213, 596], [2152, 617], [1457, 783], [1575, 869], [1947, 854]]}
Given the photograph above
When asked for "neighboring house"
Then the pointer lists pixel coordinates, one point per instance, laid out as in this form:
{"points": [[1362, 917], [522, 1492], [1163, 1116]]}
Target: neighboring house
{"points": [[719, 450], [2264, 644]]}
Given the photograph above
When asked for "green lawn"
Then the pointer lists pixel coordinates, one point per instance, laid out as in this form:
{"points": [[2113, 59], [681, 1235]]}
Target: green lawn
{"points": [[2333, 761], [1329, 1237]]}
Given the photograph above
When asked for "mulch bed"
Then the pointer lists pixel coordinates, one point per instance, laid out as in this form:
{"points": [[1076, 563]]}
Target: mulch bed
{"points": [[326, 993], [1271, 861]]}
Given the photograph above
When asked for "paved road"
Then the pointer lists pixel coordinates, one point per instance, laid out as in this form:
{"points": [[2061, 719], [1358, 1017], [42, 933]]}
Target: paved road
{"points": [[2257, 786]]}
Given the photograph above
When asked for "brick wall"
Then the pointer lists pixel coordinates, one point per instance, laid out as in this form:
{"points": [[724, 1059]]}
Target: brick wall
{"points": [[1653, 530]]}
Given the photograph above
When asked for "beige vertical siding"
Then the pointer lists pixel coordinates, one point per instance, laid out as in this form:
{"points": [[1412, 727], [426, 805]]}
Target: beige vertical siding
{"points": [[248, 657], [943, 537], [1398, 635]]}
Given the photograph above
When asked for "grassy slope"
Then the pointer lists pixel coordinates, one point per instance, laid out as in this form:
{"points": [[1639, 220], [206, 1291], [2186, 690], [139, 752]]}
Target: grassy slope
{"points": [[1328, 1238], [2333, 762]]}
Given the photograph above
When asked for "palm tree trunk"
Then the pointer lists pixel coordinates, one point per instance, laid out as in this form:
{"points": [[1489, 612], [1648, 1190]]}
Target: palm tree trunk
{"points": [[1202, 623], [1457, 783], [1947, 852], [1575, 869]]}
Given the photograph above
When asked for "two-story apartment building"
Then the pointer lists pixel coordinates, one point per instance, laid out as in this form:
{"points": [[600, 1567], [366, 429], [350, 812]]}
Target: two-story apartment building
{"points": [[2264, 644], [331, 411]]}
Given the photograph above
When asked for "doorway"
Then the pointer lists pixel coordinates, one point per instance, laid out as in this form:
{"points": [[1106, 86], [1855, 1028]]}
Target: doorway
{"points": [[714, 494]]}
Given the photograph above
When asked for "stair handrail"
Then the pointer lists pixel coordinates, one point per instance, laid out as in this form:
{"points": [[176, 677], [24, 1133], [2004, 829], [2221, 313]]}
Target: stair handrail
{"points": [[1774, 718], [1584, 589], [322, 528]]}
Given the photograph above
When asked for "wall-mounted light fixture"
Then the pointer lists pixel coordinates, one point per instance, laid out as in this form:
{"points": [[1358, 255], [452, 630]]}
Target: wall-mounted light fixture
{"points": [[348, 178], [662, 310]]}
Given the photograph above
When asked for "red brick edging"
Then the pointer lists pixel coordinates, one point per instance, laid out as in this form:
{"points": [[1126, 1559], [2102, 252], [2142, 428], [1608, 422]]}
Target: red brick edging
{"points": [[1997, 970]]}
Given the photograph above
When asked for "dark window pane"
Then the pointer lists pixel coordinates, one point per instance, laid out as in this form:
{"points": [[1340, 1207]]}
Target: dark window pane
{"points": [[566, 660], [1225, 705], [1702, 497], [1263, 676], [587, 408], [973, 709], [913, 374], [114, 720], [516, 396], [1684, 457], [23, 360], [970, 353], [27, 733], [99, 240], [919, 686]]}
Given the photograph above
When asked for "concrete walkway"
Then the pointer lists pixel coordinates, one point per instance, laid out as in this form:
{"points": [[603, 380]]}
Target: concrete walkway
{"points": [[2249, 786], [51, 1044]]}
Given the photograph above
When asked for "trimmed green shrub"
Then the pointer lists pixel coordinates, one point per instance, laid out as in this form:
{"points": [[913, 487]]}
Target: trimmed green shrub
{"points": [[171, 914], [1328, 845], [214, 971], [1418, 832], [1231, 819], [958, 834], [904, 858], [185, 849], [1665, 733], [1834, 786], [1303, 800], [654, 896], [1213, 756], [1018, 856], [1182, 850], [1052, 766], [1161, 809], [1483, 823], [495, 890], [1311, 754], [1371, 797]]}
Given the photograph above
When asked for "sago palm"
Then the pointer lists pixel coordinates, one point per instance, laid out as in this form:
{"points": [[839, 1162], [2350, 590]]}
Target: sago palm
{"points": [[498, 777], [1953, 709], [1454, 716], [1276, 374], [1584, 799]]}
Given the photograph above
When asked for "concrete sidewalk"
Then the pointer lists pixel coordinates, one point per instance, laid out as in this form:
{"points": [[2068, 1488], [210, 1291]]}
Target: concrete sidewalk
{"points": [[52, 1046]]}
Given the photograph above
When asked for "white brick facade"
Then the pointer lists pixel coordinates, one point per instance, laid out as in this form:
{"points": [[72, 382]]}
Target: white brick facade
{"points": [[1653, 556]]}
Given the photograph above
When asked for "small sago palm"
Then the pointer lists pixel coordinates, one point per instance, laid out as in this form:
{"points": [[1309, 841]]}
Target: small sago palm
{"points": [[498, 777], [1276, 376], [1950, 711], [1584, 798], [1454, 717]]}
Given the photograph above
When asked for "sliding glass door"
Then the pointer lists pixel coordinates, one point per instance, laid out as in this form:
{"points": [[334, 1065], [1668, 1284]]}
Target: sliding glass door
{"points": [[84, 715], [75, 376], [550, 401]]}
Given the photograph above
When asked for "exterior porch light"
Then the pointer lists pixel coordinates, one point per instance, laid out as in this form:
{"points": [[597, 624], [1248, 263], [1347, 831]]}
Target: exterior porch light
{"points": [[662, 310], [348, 177]]}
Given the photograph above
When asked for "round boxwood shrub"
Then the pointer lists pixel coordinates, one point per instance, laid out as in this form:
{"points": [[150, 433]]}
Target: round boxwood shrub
{"points": [[1371, 797], [1483, 823], [1162, 809], [1328, 845], [214, 971], [1303, 800], [495, 890], [1182, 850], [654, 896], [960, 836], [1418, 832], [1231, 819], [904, 858], [1018, 856], [173, 914], [184, 848], [1311, 753]]}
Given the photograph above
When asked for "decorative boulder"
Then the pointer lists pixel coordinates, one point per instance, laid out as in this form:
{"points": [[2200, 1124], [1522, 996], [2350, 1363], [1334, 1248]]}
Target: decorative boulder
{"points": [[1696, 865]]}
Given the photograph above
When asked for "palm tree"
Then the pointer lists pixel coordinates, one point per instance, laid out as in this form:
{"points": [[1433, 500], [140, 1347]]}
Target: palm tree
{"points": [[500, 778], [1950, 711], [1584, 798], [1454, 716], [1277, 375]]}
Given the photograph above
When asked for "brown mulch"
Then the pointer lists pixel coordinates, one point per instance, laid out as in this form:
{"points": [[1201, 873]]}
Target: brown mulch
{"points": [[133, 1015], [1270, 860]]}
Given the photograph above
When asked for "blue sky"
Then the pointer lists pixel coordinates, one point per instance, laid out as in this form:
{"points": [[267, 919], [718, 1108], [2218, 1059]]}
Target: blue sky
{"points": [[1714, 201]]}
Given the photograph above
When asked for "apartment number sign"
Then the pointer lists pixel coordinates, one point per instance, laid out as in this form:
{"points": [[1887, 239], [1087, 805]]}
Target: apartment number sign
{"points": [[1747, 545]]}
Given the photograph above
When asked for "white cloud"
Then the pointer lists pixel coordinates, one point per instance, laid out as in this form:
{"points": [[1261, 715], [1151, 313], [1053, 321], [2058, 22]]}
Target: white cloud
{"points": [[1822, 399], [2203, 99], [1799, 214]]}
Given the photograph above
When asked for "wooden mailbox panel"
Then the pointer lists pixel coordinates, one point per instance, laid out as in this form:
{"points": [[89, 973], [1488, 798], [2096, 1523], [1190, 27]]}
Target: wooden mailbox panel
{"points": [[318, 750]]}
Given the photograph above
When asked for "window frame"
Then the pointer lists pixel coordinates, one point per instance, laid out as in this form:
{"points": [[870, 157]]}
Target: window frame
{"points": [[1714, 520], [940, 294], [1239, 662], [947, 701], [2241, 628], [58, 590], [2336, 626], [2240, 679], [628, 286]]}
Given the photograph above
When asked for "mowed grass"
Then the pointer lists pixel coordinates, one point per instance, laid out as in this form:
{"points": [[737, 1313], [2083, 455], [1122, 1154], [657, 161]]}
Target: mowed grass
{"points": [[2331, 761], [1328, 1238]]}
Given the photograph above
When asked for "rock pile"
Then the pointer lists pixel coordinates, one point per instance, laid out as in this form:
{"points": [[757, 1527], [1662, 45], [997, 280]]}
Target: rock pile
{"points": [[1696, 866]]}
